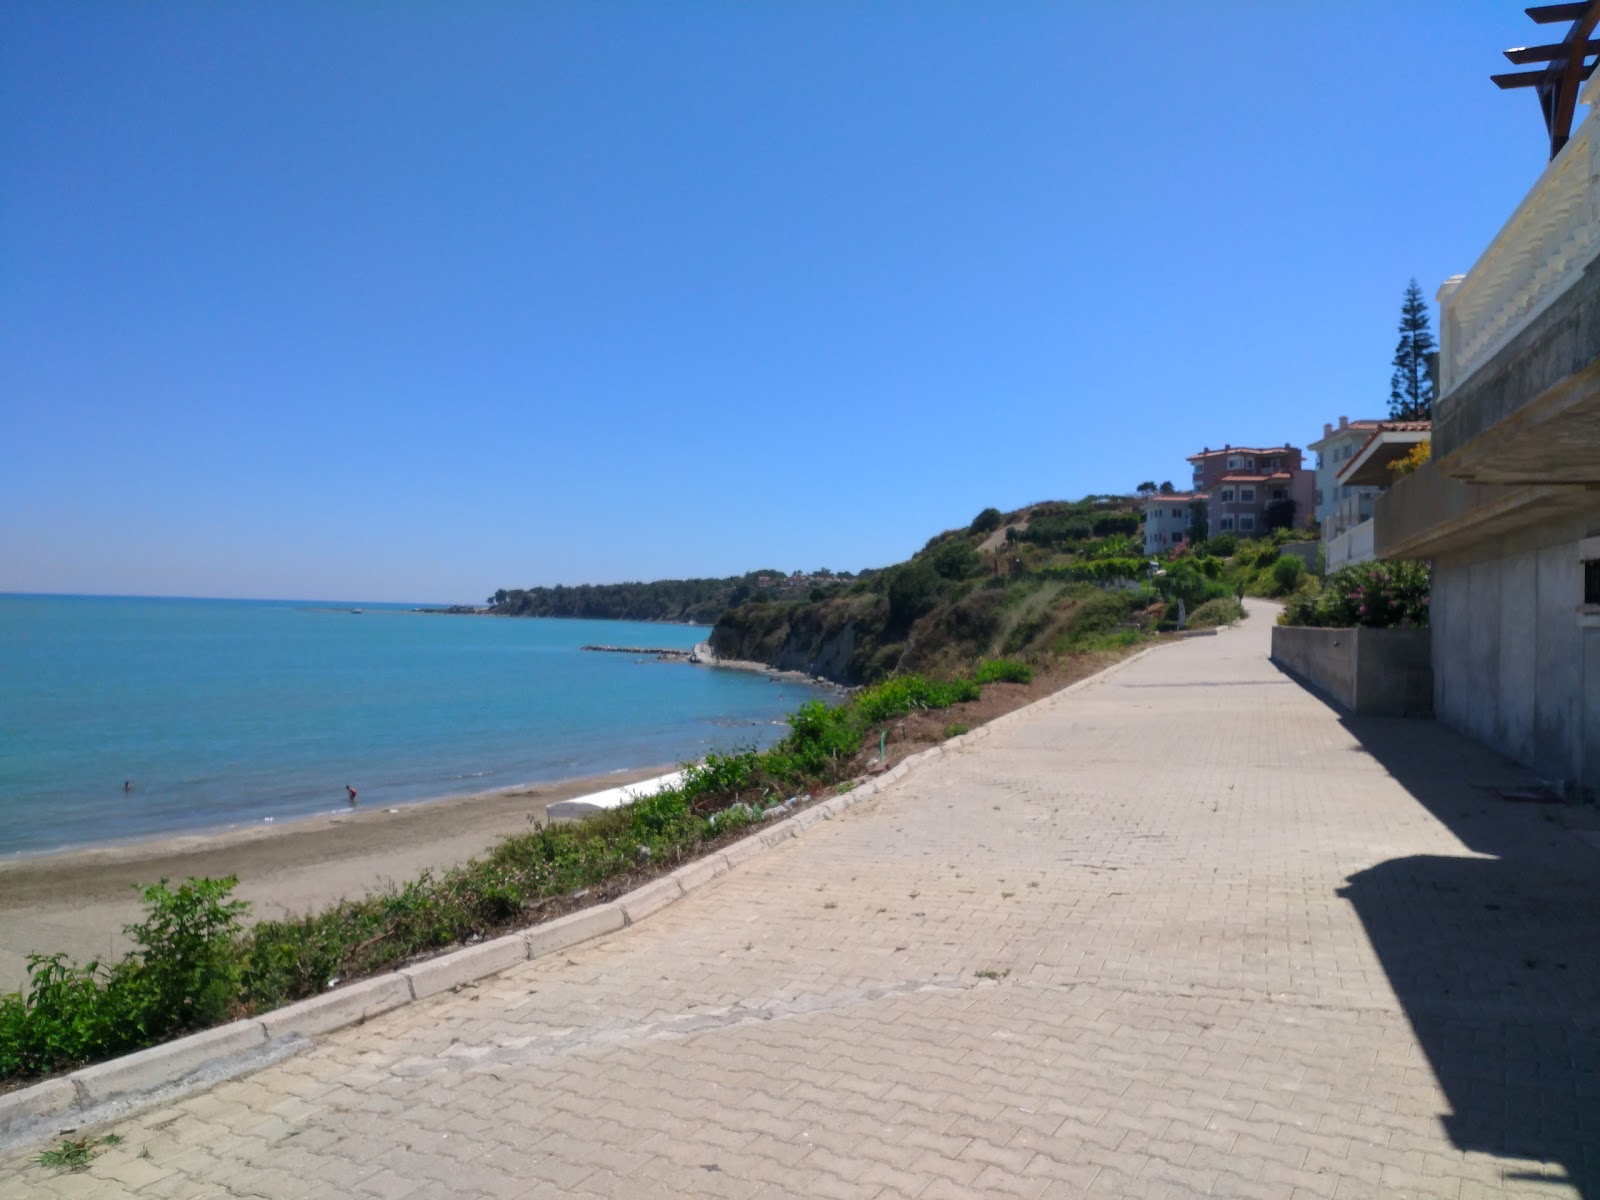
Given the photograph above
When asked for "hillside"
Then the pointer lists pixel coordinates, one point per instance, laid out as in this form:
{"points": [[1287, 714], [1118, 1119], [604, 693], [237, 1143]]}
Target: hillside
{"points": [[691, 601], [1045, 581]]}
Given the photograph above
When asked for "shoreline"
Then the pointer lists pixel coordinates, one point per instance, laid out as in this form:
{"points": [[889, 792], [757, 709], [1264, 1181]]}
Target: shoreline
{"points": [[78, 900]]}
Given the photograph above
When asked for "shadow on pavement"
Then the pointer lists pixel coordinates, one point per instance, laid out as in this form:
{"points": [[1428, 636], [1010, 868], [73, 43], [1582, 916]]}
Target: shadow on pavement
{"points": [[1496, 960]]}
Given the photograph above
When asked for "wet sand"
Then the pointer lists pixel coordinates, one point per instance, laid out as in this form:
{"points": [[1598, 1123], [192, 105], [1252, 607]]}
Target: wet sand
{"points": [[78, 901]]}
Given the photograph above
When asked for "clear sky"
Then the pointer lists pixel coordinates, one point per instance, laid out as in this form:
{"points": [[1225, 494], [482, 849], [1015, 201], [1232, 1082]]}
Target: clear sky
{"points": [[417, 301]]}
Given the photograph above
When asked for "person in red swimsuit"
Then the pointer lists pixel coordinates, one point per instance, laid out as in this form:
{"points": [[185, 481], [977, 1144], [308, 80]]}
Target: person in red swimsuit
{"points": [[352, 792]]}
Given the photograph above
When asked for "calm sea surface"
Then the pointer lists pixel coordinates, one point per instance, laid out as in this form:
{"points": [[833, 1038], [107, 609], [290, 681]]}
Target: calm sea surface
{"points": [[226, 712]]}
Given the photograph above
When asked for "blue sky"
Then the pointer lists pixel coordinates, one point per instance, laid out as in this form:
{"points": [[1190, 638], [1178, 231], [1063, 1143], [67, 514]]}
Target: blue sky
{"points": [[413, 302]]}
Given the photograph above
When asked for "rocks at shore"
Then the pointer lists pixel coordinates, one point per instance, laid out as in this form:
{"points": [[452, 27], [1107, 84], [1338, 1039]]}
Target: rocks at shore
{"points": [[662, 653]]}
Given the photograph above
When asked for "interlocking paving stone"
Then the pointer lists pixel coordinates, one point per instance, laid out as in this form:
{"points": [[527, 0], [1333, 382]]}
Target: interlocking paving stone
{"points": [[1232, 944]]}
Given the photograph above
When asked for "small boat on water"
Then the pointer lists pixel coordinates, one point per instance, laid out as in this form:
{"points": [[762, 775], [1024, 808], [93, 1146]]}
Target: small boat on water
{"points": [[357, 610]]}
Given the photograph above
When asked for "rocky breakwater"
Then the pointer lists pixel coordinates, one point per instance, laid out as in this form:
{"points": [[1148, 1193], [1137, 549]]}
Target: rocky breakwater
{"points": [[660, 653]]}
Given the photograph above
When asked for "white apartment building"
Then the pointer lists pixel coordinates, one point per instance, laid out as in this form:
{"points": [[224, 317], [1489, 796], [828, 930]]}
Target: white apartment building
{"points": [[1166, 521], [1335, 448]]}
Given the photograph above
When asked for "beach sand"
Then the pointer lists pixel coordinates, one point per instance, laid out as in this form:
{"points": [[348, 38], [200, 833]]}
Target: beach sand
{"points": [[78, 901]]}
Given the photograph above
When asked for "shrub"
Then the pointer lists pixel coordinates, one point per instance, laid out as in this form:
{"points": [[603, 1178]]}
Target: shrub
{"points": [[1288, 571], [189, 972], [1224, 610], [913, 589], [956, 560], [1378, 595], [1004, 670], [987, 521], [896, 697], [1115, 523], [1223, 545], [1100, 614]]}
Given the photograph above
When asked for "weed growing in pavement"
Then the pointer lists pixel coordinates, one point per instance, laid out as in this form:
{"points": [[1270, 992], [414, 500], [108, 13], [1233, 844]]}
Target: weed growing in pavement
{"points": [[74, 1155]]}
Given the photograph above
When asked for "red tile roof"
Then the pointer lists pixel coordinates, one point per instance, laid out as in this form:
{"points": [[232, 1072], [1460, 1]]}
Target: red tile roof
{"points": [[1284, 449]]}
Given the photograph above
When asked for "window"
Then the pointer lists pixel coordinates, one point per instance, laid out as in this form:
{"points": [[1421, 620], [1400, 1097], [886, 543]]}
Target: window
{"points": [[1247, 495], [1275, 465], [1233, 463], [1247, 522], [1227, 495], [1279, 494], [1227, 523], [1250, 464], [1319, 497], [1178, 513], [1591, 582], [1319, 460]]}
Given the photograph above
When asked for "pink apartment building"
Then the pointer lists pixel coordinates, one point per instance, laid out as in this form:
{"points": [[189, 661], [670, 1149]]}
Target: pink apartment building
{"points": [[1241, 482]]}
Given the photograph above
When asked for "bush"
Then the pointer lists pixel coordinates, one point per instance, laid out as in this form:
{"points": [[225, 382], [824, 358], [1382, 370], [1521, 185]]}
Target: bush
{"points": [[896, 697], [1224, 545], [189, 971], [1224, 610], [987, 521], [912, 589], [1379, 595], [956, 560], [1004, 670], [1288, 571]]}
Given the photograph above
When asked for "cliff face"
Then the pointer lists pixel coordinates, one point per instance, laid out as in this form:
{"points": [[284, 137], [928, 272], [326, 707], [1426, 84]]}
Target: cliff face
{"points": [[833, 639]]}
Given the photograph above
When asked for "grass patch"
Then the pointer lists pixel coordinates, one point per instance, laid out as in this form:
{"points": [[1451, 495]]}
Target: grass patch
{"points": [[1004, 670], [955, 729]]}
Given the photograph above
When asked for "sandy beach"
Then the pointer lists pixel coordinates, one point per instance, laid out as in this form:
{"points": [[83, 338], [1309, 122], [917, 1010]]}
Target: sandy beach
{"points": [[78, 901]]}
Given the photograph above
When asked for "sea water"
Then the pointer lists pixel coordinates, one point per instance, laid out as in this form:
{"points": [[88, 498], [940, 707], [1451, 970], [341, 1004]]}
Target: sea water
{"points": [[226, 713]]}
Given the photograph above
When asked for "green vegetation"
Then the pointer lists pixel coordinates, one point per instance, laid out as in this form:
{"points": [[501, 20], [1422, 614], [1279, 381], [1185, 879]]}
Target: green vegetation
{"points": [[75, 1154], [1070, 577], [1224, 610], [194, 966], [1416, 361], [1004, 670], [955, 729], [1379, 595], [183, 975], [987, 521], [697, 601]]}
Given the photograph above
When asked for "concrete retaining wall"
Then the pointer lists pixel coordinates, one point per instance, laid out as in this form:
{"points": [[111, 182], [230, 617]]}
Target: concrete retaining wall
{"points": [[1374, 672], [1516, 661]]}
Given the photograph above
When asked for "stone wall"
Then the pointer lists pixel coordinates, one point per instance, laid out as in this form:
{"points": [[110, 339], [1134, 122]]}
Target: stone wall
{"points": [[1373, 672]]}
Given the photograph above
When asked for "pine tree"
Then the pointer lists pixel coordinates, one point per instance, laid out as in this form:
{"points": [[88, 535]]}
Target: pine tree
{"points": [[1411, 385]]}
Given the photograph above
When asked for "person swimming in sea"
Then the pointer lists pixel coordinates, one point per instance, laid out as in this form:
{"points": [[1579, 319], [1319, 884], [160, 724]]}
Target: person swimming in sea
{"points": [[352, 792]]}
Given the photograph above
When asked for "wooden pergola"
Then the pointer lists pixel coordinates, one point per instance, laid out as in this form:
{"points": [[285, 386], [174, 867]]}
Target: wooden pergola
{"points": [[1567, 65]]}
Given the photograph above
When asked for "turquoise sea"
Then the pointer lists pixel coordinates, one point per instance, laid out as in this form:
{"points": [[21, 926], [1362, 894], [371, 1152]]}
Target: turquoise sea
{"points": [[228, 712]]}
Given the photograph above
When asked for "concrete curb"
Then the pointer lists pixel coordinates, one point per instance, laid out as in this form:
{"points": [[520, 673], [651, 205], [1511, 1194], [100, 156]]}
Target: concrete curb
{"points": [[34, 1111]]}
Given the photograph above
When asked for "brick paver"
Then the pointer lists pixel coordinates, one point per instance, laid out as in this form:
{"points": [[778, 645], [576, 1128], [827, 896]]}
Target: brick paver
{"points": [[1183, 932]]}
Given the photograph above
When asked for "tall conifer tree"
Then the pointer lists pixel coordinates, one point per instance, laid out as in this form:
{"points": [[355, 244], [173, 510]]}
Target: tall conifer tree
{"points": [[1411, 385]]}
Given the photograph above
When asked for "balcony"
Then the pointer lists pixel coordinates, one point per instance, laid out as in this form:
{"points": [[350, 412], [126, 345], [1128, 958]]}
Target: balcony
{"points": [[1520, 335]]}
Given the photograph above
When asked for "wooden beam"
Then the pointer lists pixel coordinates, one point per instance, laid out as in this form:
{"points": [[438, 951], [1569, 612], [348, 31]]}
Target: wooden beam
{"points": [[1516, 79], [1538, 54], [1550, 14]]}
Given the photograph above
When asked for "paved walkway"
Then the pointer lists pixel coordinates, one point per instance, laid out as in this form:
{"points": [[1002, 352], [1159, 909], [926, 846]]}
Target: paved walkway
{"points": [[1183, 932]]}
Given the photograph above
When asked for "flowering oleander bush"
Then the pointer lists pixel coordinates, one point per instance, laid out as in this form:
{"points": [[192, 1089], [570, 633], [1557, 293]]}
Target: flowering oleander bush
{"points": [[1378, 595]]}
